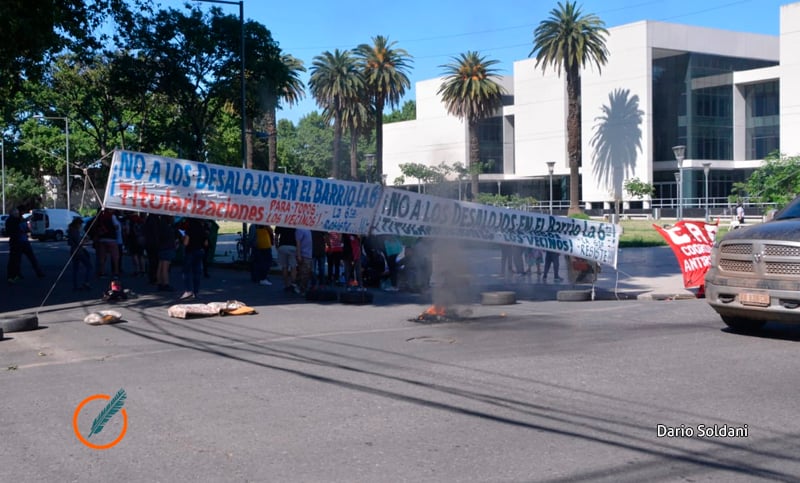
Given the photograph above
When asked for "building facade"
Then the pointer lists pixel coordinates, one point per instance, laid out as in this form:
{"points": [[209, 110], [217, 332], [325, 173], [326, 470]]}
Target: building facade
{"points": [[730, 98]]}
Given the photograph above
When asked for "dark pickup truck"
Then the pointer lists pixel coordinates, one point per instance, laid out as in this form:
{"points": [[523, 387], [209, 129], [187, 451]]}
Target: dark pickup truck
{"points": [[755, 273]]}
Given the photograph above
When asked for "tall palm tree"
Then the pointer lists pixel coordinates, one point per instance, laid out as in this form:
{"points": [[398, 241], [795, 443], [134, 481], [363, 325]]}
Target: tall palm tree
{"points": [[335, 82], [385, 70], [288, 88], [470, 93], [357, 119], [567, 41]]}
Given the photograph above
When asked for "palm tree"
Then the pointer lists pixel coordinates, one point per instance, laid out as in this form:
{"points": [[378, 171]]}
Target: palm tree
{"points": [[289, 89], [335, 82], [357, 119], [385, 74], [567, 41], [469, 92]]}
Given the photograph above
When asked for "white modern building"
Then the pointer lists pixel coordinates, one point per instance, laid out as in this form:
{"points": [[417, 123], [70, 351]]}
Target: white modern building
{"points": [[730, 98]]}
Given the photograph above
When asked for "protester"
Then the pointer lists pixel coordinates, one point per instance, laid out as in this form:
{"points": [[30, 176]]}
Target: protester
{"points": [[334, 249], [287, 255], [352, 259], [151, 225], [305, 252], [167, 243], [79, 255], [551, 259], [318, 257], [135, 242], [194, 241], [18, 245], [261, 239], [104, 231], [393, 247]]}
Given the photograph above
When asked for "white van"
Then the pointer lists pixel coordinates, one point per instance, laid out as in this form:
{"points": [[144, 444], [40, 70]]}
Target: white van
{"points": [[51, 223]]}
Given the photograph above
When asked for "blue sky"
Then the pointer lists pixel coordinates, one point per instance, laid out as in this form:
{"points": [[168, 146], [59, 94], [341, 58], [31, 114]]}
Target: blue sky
{"points": [[434, 31]]}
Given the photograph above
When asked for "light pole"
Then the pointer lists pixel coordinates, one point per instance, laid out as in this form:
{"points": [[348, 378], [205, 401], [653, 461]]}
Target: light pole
{"points": [[706, 170], [3, 158], [370, 159], [680, 154], [550, 166], [66, 131], [678, 186]]}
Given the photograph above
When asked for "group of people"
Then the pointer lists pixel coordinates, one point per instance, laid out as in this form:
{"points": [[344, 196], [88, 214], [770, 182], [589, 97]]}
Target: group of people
{"points": [[311, 258], [524, 260]]}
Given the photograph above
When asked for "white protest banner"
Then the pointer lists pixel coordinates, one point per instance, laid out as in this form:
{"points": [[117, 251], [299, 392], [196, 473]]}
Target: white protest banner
{"points": [[413, 214], [157, 184]]}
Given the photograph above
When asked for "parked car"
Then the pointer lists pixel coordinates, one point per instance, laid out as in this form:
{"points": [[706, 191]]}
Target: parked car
{"points": [[755, 273], [50, 223]]}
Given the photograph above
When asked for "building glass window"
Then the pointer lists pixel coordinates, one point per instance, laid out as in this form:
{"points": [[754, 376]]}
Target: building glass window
{"points": [[490, 138], [693, 103], [762, 119]]}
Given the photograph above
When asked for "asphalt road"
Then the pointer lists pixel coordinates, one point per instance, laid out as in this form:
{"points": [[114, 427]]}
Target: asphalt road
{"points": [[535, 391]]}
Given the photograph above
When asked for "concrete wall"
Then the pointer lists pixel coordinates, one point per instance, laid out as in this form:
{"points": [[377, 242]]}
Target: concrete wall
{"points": [[790, 79]]}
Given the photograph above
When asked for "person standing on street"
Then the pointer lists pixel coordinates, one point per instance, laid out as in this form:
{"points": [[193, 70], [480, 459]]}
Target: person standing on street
{"points": [[261, 239], [18, 245], [194, 241], [79, 255], [551, 258], [287, 255], [305, 252]]}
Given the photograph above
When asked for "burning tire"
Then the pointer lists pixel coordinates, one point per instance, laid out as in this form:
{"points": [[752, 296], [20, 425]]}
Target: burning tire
{"points": [[498, 298], [573, 295], [357, 298], [19, 323]]}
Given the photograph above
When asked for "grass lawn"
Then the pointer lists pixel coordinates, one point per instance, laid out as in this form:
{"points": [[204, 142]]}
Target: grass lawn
{"points": [[635, 233]]}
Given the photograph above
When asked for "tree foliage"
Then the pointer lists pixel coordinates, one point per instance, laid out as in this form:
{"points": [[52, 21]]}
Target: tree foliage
{"points": [[777, 181], [567, 41], [637, 188]]}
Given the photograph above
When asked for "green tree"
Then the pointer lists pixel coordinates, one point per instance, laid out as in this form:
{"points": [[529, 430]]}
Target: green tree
{"points": [[406, 113], [566, 42], [290, 90], [470, 93], [637, 188], [385, 70], [776, 181], [183, 54], [33, 30], [335, 84]]}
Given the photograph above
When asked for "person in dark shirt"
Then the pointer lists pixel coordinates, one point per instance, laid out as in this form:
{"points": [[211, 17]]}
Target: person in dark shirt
{"points": [[195, 241], [18, 245]]}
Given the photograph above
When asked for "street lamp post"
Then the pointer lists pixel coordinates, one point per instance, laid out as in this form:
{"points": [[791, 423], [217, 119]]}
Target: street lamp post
{"points": [[370, 158], [3, 158], [706, 170], [550, 166], [66, 135], [680, 155]]}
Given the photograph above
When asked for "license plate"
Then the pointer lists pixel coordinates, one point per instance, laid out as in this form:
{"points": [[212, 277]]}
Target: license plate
{"points": [[754, 298]]}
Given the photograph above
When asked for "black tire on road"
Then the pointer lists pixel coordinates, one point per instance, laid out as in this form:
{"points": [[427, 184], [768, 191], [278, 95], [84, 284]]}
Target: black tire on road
{"points": [[1, 334], [322, 295], [59, 235], [358, 298], [573, 295], [740, 324], [19, 323], [498, 298]]}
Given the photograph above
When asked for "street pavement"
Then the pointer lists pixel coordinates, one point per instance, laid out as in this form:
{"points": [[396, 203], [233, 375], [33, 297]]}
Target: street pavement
{"points": [[539, 390]]}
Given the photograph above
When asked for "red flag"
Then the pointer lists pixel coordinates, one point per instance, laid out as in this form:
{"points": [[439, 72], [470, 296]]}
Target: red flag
{"points": [[691, 241]]}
